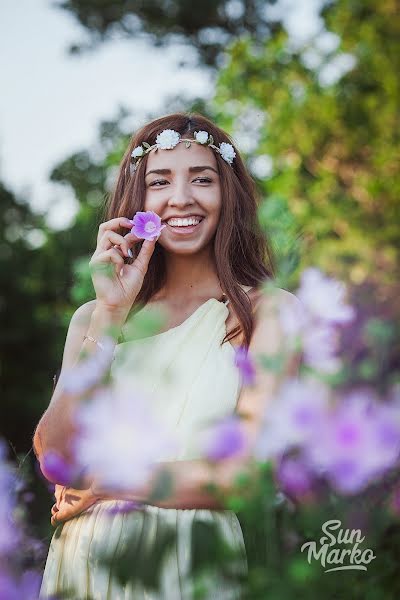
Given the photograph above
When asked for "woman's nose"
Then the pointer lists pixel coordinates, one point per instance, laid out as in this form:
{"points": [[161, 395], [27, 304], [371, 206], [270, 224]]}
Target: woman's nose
{"points": [[181, 194]]}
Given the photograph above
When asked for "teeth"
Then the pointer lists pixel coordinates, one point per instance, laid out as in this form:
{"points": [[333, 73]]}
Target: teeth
{"points": [[184, 222]]}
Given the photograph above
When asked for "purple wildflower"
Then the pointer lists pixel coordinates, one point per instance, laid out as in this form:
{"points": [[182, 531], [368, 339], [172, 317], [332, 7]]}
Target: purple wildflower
{"points": [[147, 225], [225, 439], [26, 587], [121, 507], [119, 440], [295, 414], [358, 441], [9, 533], [57, 469], [320, 343], [324, 297], [295, 476], [245, 365]]}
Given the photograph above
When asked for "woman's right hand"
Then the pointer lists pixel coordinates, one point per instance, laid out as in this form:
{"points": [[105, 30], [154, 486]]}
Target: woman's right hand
{"points": [[114, 291]]}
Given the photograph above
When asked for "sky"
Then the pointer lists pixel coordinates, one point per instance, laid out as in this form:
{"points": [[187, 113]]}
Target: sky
{"points": [[51, 103]]}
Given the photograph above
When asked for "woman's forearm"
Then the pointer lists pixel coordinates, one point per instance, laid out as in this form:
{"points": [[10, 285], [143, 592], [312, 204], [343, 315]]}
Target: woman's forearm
{"points": [[56, 428], [195, 484]]}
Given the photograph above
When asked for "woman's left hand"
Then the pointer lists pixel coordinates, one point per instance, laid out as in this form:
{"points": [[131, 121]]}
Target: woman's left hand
{"points": [[71, 502]]}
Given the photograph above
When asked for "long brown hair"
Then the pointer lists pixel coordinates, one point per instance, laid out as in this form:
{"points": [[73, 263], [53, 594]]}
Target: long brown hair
{"points": [[243, 255]]}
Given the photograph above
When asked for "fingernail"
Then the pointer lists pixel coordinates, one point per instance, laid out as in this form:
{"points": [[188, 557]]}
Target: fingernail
{"points": [[130, 252]]}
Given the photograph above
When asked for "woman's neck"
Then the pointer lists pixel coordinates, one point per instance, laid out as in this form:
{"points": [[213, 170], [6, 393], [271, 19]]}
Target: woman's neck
{"points": [[190, 278]]}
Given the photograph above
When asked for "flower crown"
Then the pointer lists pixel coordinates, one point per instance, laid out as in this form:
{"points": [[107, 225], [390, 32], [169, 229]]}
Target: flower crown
{"points": [[169, 138]]}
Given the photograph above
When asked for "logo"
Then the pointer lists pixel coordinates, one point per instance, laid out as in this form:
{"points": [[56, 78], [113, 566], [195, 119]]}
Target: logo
{"points": [[347, 558]]}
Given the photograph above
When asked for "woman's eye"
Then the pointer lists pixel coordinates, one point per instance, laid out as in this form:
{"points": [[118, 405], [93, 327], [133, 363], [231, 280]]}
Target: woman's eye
{"points": [[158, 181]]}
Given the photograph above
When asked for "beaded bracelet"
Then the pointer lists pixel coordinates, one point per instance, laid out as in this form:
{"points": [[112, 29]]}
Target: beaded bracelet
{"points": [[90, 338]]}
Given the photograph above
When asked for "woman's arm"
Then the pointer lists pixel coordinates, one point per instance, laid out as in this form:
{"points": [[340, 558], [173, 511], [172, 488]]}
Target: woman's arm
{"points": [[55, 428]]}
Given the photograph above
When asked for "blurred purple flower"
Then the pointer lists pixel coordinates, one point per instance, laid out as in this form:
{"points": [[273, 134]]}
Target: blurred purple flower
{"points": [[293, 318], [121, 507], [245, 365], [295, 476], [9, 533], [294, 415], [357, 442], [25, 588], [90, 371], [56, 468], [225, 439], [147, 225], [320, 343], [14, 544], [119, 440], [324, 297]]}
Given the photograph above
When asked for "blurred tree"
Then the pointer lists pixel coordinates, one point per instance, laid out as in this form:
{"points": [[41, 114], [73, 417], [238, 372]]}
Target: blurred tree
{"points": [[207, 26], [25, 313]]}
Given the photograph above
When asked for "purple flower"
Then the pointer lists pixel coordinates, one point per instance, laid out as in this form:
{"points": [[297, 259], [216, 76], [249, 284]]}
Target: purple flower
{"points": [[56, 468], [310, 324], [14, 586], [147, 225], [225, 439], [357, 442], [9, 533], [26, 588], [294, 415], [324, 297], [293, 317], [119, 440], [295, 476], [245, 365], [121, 507], [320, 343]]}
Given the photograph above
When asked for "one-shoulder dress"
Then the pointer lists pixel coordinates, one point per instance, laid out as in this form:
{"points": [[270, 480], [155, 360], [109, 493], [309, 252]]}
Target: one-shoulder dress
{"points": [[192, 380]]}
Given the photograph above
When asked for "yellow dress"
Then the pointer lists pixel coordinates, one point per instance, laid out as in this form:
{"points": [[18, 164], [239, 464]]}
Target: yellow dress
{"points": [[192, 380]]}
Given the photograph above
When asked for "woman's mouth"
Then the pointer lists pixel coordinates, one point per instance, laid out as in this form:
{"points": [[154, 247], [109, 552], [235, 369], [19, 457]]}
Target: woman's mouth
{"points": [[184, 229]]}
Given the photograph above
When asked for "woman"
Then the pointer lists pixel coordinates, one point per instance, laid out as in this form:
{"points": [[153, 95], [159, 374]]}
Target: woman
{"points": [[207, 275]]}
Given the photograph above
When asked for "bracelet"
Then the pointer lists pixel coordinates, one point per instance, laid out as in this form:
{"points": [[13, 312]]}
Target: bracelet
{"points": [[90, 338]]}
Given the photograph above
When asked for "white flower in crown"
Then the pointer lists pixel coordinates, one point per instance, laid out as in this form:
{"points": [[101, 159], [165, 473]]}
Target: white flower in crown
{"points": [[201, 136], [167, 139], [138, 151], [227, 152]]}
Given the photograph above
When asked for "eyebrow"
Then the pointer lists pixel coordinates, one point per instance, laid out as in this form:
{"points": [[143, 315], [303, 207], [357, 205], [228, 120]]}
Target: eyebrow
{"points": [[191, 170]]}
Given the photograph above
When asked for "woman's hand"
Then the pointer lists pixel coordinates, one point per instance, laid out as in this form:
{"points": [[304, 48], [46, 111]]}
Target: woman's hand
{"points": [[114, 291], [70, 502]]}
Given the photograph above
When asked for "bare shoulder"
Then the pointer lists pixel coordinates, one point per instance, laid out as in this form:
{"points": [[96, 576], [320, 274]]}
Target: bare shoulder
{"points": [[267, 333], [268, 303]]}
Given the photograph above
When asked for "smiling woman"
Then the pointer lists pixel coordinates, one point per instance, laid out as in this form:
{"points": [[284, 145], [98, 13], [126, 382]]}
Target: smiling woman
{"points": [[207, 271], [227, 247]]}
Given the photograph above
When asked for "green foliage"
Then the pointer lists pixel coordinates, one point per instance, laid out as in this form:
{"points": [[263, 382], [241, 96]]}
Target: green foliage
{"points": [[207, 26], [334, 147]]}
